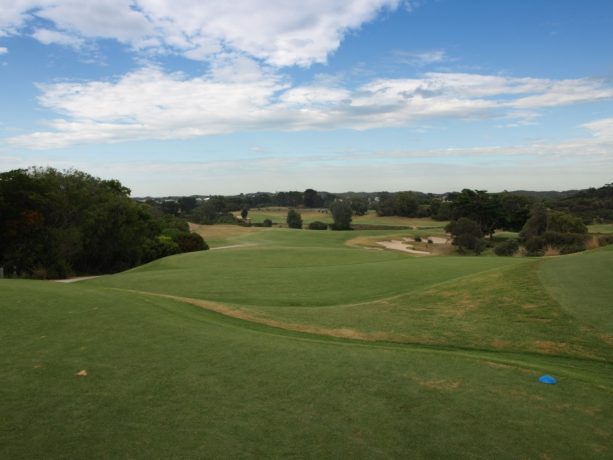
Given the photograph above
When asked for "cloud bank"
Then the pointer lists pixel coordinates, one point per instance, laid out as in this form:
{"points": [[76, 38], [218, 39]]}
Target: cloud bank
{"points": [[241, 95], [278, 32]]}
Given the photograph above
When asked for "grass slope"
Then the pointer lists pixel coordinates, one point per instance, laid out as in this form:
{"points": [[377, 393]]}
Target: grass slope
{"points": [[583, 284], [452, 372], [169, 380]]}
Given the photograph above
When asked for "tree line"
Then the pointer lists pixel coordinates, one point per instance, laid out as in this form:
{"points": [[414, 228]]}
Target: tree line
{"points": [[55, 224]]}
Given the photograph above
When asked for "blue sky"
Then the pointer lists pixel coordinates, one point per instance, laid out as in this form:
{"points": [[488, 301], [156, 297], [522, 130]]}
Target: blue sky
{"points": [[199, 97]]}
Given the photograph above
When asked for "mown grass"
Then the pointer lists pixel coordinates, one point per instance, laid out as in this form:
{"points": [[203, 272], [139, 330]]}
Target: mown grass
{"points": [[439, 356], [165, 379], [583, 285]]}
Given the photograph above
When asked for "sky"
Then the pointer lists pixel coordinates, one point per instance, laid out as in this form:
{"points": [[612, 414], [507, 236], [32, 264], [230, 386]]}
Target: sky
{"points": [[205, 97]]}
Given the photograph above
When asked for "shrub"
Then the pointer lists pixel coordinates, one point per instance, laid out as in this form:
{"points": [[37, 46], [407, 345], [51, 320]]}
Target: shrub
{"points": [[418, 239], [317, 225], [535, 246], [507, 248], [227, 218], [605, 240], [559, 239], [572, 248], [190, 242], [267, 223]]}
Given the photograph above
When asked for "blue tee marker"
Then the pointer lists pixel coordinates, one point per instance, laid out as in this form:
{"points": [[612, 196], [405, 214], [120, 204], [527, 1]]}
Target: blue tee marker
{"points": [[548, 379]]}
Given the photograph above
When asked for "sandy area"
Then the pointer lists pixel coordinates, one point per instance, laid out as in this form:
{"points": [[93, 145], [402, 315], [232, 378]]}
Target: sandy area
{"points": [[437, 239], [399, 245]]}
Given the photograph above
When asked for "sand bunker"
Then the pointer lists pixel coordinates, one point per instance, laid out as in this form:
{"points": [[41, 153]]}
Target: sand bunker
{"points": [[399, 245]]}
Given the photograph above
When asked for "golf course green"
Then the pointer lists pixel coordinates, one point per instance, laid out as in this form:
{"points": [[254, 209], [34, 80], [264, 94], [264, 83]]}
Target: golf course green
{"points": [[292, 343]]}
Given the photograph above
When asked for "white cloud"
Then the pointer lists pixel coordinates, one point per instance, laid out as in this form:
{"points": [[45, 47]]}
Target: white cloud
{"points": [[46, 37], [240, 95], [3, 50], [280, 32]]}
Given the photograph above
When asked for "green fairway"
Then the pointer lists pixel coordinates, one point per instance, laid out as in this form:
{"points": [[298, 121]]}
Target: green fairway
{"points": [[312, 349]]}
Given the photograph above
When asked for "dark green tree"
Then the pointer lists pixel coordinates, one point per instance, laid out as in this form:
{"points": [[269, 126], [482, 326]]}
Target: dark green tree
{"points": [[312, 199], [467, 235], [359, 206], [341, 213], [187, 204], [536, 224], [479, 206], [294, 219]]}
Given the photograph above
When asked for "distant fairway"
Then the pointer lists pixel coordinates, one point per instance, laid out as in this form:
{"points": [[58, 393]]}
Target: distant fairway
{"points": [[445, 364], [278, 215]]}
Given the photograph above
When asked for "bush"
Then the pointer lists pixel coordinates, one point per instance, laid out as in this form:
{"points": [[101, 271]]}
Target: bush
{"points": [[507, 248], [559, 239], [227, 218], [267, 223], [317, 225], [572, 248], [418, 239], [190, 242], [605, 240], [535, 246]]}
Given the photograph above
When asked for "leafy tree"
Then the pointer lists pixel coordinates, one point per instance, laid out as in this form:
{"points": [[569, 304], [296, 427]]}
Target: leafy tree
{"points": [[312, 199], [405, 204], [514, 211], [57, 223], [187, 204], [565, 223], [244, 213], [536, 224], [479, 206], [467, 235], [170, 207], [359, 206], [341, 213], [294, 219]]}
